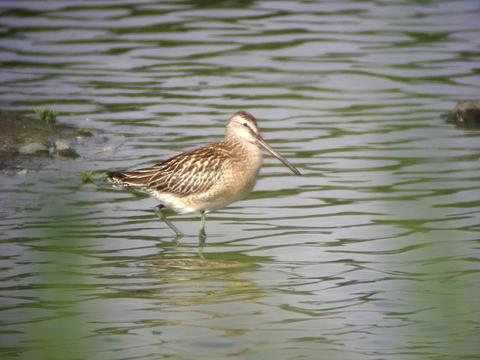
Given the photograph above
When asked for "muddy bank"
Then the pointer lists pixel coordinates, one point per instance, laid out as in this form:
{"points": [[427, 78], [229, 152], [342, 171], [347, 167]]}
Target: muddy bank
{"points": [[25, 136]]}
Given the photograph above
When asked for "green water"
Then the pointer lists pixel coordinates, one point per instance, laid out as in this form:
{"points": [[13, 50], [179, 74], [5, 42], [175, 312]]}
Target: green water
{"points": [[372, 254]]}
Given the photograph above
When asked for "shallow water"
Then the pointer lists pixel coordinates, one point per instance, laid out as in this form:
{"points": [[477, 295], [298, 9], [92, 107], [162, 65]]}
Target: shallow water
{"points": [[371, 254]]}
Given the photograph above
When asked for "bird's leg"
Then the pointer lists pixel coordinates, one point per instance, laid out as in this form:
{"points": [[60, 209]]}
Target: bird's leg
{"points": [[202, 235], [161, 215]]}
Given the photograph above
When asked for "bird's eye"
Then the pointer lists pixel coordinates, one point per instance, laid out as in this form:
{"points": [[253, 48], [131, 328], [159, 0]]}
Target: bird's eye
{"points": [[245, 124]]}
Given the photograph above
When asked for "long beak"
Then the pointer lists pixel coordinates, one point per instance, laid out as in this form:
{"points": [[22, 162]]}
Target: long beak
{"points": [[277, 155]]}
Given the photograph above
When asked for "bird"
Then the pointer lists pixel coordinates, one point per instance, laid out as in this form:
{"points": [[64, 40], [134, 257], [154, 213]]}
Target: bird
{"points": [[207, 178]]}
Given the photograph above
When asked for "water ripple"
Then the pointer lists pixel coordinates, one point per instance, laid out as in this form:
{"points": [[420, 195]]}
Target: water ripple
{"points": [[371, 254]]}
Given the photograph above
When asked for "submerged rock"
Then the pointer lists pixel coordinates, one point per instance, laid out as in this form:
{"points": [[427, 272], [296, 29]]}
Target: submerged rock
{"points": [[83, 133], [466, 114], [62, 148], [34, 148]]}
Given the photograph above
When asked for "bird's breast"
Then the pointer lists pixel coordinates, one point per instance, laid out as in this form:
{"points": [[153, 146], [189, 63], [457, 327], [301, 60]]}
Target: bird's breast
{"points": [[237, 179], [234, 180]]}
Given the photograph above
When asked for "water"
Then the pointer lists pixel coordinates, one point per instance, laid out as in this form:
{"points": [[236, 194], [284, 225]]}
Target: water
{"points": [[371, 254]]}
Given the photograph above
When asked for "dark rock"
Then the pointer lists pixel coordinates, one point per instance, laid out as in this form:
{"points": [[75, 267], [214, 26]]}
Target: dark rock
{"points": [[465, 115]]}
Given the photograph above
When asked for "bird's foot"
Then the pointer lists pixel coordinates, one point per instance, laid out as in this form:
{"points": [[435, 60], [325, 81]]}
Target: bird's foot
{"points": [[202, 236], [161, 215]]}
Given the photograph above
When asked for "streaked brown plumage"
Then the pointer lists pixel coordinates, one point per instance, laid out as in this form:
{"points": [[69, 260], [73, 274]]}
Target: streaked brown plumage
{"points": [[184, 174], [207, 178]]}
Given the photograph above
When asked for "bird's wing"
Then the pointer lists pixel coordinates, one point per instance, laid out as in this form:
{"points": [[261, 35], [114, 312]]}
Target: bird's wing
{"points": [[190, 172], [185, 174]]}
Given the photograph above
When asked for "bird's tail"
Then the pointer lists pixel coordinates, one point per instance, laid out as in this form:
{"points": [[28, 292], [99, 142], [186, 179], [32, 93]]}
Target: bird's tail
{"points": [[129, 178]]}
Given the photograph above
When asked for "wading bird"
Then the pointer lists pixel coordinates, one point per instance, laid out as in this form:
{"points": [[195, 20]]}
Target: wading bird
{"points": [[208, 178]]}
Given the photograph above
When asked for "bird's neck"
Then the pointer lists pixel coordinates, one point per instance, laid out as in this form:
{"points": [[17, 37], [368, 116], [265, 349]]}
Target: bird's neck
{"points": [[243, 149]]}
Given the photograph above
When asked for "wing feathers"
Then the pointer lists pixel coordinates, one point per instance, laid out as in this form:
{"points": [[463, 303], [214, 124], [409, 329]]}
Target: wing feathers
{"points": [[185, 174]]}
